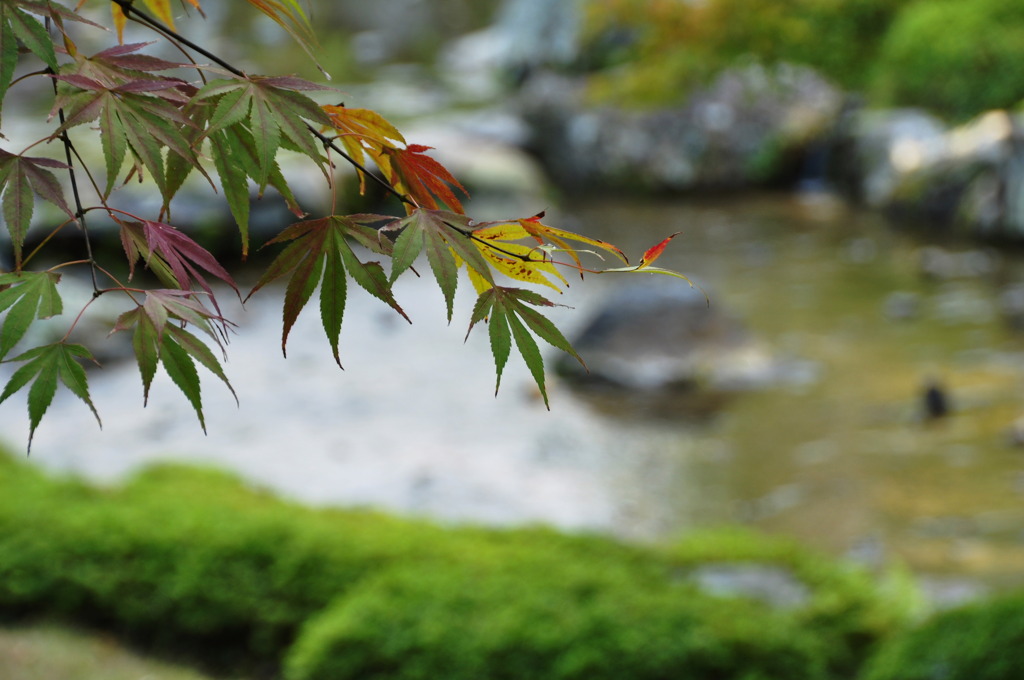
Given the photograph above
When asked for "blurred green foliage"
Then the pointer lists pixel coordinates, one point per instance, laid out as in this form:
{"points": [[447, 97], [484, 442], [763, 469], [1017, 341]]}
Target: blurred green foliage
{"points": [[956, 58], [982, 641], [653, 52], [195, 560]]}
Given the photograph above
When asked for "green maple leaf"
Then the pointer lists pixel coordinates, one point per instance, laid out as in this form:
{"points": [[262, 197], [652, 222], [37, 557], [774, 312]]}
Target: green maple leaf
{"points": [[319, 253], [509, 315], [273, 109], [44, 367], [27, 296], [236, 160], [140, 117], [157, 340], [20, 177], [20, 29], [445, 236]]}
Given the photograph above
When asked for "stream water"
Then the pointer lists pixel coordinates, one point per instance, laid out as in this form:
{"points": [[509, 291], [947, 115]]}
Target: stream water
{"points": [[840, 458]]}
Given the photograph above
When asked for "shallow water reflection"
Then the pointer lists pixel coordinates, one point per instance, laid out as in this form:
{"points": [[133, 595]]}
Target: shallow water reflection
{"points": [[841, 460]]}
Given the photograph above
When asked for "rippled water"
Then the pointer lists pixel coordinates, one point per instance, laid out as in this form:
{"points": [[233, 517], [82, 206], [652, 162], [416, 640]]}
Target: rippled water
{"points": [[839, 458]]}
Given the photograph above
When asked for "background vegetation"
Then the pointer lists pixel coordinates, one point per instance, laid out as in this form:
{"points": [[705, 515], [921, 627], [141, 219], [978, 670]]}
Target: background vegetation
{"points": [[956, 58]]}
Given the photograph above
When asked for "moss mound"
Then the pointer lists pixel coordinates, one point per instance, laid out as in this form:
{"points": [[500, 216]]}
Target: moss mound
{"points": [[194, 560], [569, 623], [984, 641]]}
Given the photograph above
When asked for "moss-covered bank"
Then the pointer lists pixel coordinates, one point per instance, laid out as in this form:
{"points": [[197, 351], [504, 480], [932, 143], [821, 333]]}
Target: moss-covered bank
{"points": [[193, 560]]}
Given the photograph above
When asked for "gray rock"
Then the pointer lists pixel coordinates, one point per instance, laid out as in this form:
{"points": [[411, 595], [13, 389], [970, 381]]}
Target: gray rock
{"points": [[649, 338], [970, 177], [884, 145], [902, 305], [772, 585], [735, 133]]}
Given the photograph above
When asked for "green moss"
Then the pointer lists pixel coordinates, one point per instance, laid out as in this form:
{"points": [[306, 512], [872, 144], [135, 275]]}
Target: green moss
{"points": [[846, 606], [569, 622], [978, 642], [195, 559]]}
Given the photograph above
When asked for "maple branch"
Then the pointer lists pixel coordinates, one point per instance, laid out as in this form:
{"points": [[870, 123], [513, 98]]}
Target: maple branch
{"points": [[138, 15], [328, 142], [490, 244], [129, 10], [79, 209]]}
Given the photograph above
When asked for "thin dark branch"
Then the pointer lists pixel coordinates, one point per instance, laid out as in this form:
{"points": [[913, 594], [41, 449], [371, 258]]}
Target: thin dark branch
{"points": [[473, 237], [130, 12], [328, 142], [69, 154], [138, 15]]}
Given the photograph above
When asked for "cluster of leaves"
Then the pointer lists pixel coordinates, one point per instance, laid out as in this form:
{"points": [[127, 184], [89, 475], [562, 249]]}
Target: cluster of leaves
{"points": [[161, 121]]}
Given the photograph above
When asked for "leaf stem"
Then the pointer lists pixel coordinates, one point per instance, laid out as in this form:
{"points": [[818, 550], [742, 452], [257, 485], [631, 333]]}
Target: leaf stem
{"points": [[46, 240], [78, 318]]}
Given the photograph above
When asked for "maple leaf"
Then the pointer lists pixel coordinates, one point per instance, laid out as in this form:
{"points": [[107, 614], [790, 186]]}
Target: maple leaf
{"points": [[320, 249], [161, 8], [362, 132], [121, 64], [272, 107], [523, 262], [446, 238], [175, 258], [141, 116], [559, 237], [509, 317], [43, 368], [27, 296], [19, 28], [422, 178], [288, 14], [158, 341], [235, 158], [649, 256], [20, 176]]}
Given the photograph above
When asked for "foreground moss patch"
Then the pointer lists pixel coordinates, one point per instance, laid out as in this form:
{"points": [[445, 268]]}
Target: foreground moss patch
{"points": [[982, 641], [188, 559]]}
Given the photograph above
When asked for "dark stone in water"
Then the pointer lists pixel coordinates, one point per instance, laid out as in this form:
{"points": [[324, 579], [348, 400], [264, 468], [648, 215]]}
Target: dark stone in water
{"points": [[936, 401], [653, 338]]}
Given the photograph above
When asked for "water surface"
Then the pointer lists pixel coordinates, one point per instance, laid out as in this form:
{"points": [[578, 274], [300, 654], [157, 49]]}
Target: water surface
{"points": [[838, 457]]}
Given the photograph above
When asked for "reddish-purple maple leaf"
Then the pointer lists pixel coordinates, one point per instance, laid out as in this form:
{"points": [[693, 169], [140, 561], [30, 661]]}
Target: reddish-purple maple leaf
{"points": [[174, 257]]}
